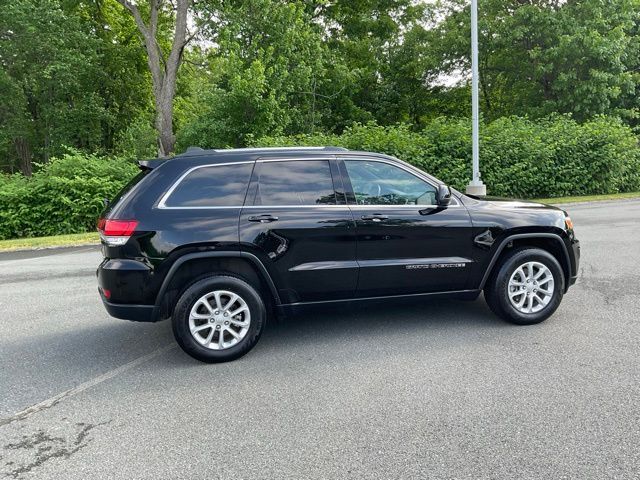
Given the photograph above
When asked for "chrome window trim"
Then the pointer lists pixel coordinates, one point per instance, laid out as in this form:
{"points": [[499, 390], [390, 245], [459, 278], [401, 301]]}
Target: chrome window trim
{"points": [[320, 205], [162, 203], [163, 200], [357, 207]]}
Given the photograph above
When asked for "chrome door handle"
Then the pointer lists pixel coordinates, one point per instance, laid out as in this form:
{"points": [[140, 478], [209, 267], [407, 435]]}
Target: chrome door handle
{"points": [[375, 217], [263, 218]]}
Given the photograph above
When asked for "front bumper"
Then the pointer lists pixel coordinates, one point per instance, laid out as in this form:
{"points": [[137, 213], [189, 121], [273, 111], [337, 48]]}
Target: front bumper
{"points": [[574, 252]]}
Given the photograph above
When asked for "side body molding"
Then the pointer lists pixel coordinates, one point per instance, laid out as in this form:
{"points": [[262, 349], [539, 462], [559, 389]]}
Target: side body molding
{"points": [[566, 266], [227, 254]]}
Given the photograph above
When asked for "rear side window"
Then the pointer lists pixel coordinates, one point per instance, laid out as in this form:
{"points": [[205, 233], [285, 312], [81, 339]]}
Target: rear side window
{"points": [[303, 182], [214, 186]]}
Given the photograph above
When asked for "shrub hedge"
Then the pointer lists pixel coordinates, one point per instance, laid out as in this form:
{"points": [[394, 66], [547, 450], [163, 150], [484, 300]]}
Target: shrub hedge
{"points": [[523, 158], [550, 157], [64, 196]]}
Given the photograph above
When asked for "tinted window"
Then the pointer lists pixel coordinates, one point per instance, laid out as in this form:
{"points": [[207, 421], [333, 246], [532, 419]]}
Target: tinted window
{"points": [[216, 186], [377, 183], [305, 182]]}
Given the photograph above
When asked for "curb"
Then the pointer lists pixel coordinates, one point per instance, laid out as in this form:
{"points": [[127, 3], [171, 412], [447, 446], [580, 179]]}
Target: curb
{"points": [[596, 202], [20, 253]]}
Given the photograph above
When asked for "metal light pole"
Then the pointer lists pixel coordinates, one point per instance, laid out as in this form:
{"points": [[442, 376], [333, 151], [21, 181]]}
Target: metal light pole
{"points": [[475, 187]]}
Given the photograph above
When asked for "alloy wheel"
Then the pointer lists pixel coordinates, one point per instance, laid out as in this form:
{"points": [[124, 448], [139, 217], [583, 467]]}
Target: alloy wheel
{"points": [[219, 320], [531, 287]]}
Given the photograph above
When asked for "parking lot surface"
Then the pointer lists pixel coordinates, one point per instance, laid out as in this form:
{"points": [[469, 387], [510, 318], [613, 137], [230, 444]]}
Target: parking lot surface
{"points": [[436, 389]]}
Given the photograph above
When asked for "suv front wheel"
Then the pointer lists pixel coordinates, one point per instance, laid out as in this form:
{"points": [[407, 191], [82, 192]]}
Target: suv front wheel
{"points": [[527, 287], [218, 319]]}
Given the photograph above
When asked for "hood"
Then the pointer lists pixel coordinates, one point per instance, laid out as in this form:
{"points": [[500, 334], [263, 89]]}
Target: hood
{"points": [[513, 203]]}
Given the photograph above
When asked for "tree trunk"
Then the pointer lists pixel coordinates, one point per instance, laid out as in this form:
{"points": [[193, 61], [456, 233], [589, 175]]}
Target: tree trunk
{"points": [[163, 70], [164, 123], [24, 154]]}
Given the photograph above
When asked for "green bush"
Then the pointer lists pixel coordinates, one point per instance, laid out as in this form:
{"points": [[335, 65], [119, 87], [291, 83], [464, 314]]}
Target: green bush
{"points": [[550, 157], [64, 196]]}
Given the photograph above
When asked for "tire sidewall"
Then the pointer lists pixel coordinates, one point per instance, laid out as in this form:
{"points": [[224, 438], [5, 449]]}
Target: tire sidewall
{"points": [[180, 318], [502, 282]]}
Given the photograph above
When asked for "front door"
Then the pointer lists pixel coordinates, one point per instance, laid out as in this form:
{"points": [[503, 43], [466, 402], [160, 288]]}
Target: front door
{"points": [[406, 243], [297, 222]]}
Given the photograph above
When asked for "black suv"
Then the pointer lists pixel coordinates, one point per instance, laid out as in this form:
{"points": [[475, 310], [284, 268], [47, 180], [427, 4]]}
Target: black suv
{"points": [[219, 240]]}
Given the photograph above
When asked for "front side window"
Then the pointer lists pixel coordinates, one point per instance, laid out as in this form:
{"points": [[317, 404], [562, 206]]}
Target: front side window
{"points": [[378, 183], [212, 186], [302, 182]]}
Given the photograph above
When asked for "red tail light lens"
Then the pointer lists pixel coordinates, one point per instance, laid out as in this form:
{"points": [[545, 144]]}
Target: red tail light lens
{"points": [[116, 232], [117, 228]]}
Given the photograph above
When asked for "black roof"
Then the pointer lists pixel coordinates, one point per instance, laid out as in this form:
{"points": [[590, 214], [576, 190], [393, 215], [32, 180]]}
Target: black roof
{"points": [[243, 154], [197, 155], [239, 154]]}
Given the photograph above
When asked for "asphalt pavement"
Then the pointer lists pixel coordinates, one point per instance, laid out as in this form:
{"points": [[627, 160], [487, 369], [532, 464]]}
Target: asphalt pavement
{"points": [[437, 389]]}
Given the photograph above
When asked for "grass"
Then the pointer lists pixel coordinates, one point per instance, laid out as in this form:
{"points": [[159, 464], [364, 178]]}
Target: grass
{"points": [[590, 198], [46, 242]]}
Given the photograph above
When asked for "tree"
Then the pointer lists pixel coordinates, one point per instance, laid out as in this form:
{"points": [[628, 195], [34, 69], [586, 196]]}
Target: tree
{"points": [[543, 56], [163, 67], [49, 88], [364, 38], [266, 75]]}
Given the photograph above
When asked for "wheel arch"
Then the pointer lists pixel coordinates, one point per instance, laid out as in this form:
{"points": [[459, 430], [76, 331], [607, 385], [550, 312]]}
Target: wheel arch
{"points": [[549, 242], [195, 265]]}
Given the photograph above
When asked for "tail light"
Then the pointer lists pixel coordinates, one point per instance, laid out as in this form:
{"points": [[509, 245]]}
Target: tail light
{"points": [[115, 233]]}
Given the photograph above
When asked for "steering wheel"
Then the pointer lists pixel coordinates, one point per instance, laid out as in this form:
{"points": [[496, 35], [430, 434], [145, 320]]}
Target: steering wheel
{"points": [[374, 190]]}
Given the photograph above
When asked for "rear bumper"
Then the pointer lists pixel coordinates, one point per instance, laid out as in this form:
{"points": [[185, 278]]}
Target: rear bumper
{"points": [[123, 287], [135, 313]]}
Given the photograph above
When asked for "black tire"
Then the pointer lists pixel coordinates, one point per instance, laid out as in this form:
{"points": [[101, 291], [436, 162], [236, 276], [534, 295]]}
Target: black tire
{"points": [[180, 319], [496, 291]]}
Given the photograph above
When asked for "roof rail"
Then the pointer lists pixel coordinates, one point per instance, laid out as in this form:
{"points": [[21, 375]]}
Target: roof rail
{"points": [[336, 149], [258, 149]]}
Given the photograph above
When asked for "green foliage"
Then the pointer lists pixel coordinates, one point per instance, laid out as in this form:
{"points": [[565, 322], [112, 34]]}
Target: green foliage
{"points": [[138, 140], [261, 78], [554, 156], [544, 56], [65, 196], [65, 78]]}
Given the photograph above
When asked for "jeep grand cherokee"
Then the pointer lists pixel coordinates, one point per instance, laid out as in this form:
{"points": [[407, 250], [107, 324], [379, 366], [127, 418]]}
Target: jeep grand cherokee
{"points": [[220, 240]]}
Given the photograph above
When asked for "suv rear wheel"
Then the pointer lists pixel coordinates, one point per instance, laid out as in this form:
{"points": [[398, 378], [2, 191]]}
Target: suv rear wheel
{"points": [[527, 287], [218, 319]]}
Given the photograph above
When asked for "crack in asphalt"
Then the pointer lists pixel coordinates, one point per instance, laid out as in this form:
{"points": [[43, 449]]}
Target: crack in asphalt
{"points": [[48, 447], [53, 401], [608, 286]]}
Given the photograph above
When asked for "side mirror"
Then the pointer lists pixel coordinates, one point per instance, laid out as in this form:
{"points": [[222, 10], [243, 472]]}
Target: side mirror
{"points": [[444, 195]]}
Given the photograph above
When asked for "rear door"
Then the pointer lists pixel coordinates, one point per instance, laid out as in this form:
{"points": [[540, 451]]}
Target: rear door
{"points": [[406, 243], [297, 222]]}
